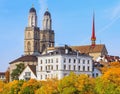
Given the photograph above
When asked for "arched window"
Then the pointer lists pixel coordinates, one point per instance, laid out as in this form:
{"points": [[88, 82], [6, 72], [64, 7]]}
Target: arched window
{"points": [[32, 21], [43, 47], [28, 46]]}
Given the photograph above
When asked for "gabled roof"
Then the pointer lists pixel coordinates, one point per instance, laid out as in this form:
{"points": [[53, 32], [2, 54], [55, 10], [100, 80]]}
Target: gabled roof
{"points": [[26, 58], [33, 68], [89, 49]]}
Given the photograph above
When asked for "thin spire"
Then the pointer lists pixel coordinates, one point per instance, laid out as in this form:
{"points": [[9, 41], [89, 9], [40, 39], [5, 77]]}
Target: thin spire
{"points": [[32, 5], [93, 37], [47, 9]]}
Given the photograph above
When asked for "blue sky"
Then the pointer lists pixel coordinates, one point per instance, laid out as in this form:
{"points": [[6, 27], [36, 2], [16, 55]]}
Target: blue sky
{"points": [[72, 23]]}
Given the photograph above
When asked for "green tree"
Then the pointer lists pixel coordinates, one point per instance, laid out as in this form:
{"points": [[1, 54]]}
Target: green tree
{"points": [[16, 72]]}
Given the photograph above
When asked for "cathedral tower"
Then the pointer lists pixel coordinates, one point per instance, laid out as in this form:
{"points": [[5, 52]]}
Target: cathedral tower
{"points": [[46, 34], [93, 37], [31, 41]]}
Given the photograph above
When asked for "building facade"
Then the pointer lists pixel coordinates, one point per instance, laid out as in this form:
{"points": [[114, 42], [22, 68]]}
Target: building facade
{"points": [[28, 73], [61, 62], [2, 76]]}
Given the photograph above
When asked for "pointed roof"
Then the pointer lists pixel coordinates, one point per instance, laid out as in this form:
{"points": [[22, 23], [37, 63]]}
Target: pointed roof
{"points": [[33, 68], [47, 13], [32, 10], [93, 37]]}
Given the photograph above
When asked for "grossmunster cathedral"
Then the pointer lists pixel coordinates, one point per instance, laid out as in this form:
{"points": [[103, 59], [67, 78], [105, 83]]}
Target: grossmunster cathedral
{"points": [[40, 42]]}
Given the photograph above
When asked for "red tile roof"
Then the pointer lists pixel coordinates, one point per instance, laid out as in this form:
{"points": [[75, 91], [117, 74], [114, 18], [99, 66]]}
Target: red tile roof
{"points": [[89, 49]]}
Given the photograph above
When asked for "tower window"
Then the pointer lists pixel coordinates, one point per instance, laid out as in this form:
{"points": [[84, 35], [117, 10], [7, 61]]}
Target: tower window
{"points": [[28, 46]]}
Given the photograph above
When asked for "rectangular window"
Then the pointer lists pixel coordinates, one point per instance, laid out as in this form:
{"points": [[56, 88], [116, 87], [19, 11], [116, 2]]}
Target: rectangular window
{"points": [[46, 67], [45, 76], [79, 61], [79, 68], [56, 60], [69, 60], [41, 61], [41, 76], [41, 68], [64, 60], [83, 61], [48, 60], [64, 67], [27, 73], [56, 67], [51, 60], [83, 68], [69, 67], [88, 61], [88, 68], [74, 60], [96, 74], [74, 67], [51, 67]]}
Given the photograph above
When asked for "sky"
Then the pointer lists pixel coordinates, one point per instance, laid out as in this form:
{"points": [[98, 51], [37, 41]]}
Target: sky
{"points": [[71, 22]]}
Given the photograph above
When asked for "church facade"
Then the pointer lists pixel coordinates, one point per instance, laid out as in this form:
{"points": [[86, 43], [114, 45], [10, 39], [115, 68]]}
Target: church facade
{"points": [[37, 40]]}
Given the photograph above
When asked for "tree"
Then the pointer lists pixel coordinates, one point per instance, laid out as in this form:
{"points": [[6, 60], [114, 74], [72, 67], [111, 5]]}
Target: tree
{"points": [[16, 72], [7, 76]]}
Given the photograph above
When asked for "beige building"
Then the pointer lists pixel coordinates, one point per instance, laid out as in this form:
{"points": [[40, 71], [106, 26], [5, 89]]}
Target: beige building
{"points": [[35, 40], [95, 52]]}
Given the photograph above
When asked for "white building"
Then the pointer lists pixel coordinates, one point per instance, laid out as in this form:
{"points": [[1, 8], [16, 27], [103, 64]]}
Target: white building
{"points": [[28, 73], [61, 61], [2, 76], [96, 72]]}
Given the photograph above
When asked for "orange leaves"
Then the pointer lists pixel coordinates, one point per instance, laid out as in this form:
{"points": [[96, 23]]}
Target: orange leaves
{"points": [[1, 86], [113, 74], [108, 83]]}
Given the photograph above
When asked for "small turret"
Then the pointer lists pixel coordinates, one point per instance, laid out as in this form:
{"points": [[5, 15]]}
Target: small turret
{"points": [[32, 19], [47, 21]]}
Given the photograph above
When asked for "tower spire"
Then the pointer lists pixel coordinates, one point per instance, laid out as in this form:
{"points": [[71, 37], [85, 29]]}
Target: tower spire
{"points": [[93, 37]]}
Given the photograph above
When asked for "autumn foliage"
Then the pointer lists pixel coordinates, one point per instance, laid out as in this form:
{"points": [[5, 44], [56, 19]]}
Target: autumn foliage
{"points": [[108, 83]]}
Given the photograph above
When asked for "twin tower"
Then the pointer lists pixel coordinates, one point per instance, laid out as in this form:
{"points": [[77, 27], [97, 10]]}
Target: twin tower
{"points": [[36, 39]]}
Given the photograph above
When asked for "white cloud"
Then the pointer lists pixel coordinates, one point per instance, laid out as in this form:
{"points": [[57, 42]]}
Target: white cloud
{"points": [[43, 6], [115, 11]]}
